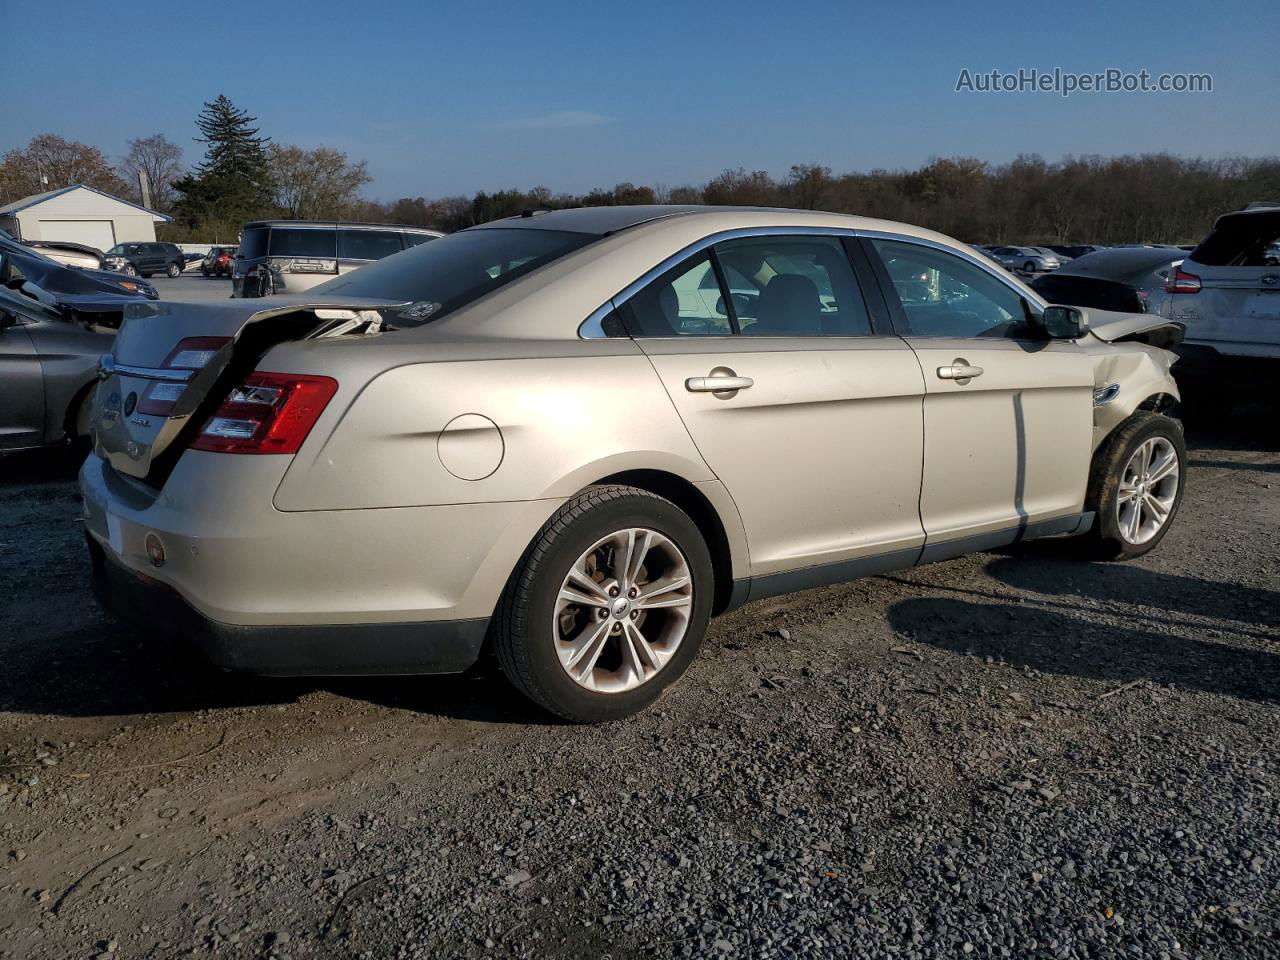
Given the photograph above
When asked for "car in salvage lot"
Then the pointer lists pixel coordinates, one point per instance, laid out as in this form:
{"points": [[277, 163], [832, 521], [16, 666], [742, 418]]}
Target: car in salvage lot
{"points": [[1025, 259], [522, 435], [1227, 294], [292, 256], [1124, 279]]}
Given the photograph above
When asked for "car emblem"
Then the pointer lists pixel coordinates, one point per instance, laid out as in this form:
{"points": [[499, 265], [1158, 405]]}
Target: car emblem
{"points": [[1271, 279], [111, 410], [130, 402]]}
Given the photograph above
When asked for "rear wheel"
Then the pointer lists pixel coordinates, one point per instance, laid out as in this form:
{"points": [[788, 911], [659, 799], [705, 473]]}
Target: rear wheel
{"points": [[1135, 487], [204, 271], [607, 607]]}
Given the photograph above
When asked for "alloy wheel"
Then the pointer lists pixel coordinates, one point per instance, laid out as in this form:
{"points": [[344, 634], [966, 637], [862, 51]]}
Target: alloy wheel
{"points": [[623, 610], [1148, 490]]}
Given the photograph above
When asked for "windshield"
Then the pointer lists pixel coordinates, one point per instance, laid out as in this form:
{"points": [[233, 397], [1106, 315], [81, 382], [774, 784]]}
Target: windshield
{"points": [[443, 275]]}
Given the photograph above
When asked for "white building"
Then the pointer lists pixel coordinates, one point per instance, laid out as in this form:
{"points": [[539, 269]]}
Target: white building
{"points": [[80, 214]]}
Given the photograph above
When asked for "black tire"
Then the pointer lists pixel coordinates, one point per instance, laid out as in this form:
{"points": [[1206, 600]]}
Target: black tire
{"points": [[173, 270], [204, 271], [1105, 541], [130, 270], [522, 632], [1029, 267]]}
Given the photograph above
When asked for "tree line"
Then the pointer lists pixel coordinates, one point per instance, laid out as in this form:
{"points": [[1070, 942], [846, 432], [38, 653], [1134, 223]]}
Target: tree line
{"points": [[1153, 197]]}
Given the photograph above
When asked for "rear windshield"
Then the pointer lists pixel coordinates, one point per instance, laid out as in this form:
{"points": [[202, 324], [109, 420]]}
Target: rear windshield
{"points": [[1243, 240], [303, 242], [253, 243], [445, 274]]}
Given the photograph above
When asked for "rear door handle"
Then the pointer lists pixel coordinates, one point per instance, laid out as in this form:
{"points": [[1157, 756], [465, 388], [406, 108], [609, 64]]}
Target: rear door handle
{"points": [[721, 380], [960, 370]]}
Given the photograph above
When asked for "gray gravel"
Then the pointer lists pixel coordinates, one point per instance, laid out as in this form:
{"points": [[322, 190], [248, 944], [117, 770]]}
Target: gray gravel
{"points": [[1000, 756]]}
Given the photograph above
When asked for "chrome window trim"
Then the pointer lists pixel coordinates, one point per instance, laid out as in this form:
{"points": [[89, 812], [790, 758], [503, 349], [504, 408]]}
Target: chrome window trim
{"points": [[592, 327]]}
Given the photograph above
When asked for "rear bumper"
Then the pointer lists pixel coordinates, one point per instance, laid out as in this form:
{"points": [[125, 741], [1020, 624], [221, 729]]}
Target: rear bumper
{"points": [[347, 649]]}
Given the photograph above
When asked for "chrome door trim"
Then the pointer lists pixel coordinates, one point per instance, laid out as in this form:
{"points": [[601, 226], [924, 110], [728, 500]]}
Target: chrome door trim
{"points": [[592, 327]]}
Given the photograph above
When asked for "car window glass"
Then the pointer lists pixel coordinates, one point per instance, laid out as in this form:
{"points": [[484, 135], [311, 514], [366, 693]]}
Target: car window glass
{"points": [[413, 239], [945, 296], [368, 244], [684, 301], [451, 272], [793, 287], [253, 243], [303, 242]]}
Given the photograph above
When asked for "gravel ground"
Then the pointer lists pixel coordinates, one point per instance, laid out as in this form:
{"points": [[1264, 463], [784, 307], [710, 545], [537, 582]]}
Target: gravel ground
{"points": [[999, 756]]}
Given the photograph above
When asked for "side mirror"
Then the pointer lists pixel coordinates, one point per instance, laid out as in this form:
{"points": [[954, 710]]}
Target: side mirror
{"points": [[1064, 323]]}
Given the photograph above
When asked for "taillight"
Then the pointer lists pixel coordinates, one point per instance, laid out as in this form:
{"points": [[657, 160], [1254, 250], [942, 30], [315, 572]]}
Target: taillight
{"points": [[193, 353], [268, 413], [1179, 281]]}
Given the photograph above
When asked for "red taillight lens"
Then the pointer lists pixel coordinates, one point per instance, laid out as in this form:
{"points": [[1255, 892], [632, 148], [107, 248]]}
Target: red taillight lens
{"points": [[193, 353], [268, 413], [1179, 281]]}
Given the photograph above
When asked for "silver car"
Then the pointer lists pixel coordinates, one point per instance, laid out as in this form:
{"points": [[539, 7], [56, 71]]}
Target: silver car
{"points": [[1227, 290], [292, 256], [554, 436], [1026, 259]]}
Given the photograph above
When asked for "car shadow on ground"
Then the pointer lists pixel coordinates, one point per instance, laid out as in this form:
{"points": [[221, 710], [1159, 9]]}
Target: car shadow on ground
{"points": [[1156, 646], [55, 464], [106, 669]]}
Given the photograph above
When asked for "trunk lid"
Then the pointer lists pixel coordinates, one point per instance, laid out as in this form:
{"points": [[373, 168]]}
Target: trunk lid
{"points": [[229, 336]]}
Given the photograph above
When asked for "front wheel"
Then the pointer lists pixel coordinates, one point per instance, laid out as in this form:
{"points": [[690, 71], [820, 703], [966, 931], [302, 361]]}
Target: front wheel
{"points": [[608, 606], [130, 270], [1135, 487], [172, 270], [1029, 267]]}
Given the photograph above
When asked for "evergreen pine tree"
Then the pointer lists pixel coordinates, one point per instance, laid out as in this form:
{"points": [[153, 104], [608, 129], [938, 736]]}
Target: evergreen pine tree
{"points": [[232, 184]]}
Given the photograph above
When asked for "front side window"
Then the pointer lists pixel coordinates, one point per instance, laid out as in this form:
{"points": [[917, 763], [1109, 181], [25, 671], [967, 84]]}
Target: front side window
{"points": [[451, 272], [945, 296], [368, 244], [793, 287], [684, 301]]}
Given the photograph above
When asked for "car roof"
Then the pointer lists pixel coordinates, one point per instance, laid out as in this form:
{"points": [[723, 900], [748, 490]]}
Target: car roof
{"points": [[338, 223]]}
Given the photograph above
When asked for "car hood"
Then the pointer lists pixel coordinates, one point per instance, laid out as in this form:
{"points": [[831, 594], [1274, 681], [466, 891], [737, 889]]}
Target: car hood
{"points": [[1111, 327]]}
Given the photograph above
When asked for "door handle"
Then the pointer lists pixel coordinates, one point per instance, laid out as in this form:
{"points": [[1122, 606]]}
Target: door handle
{"points": [[721, 381], [961, 371]]}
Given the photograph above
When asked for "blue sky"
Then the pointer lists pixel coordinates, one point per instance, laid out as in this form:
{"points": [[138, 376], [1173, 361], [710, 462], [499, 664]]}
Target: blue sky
{"points": [[452, 98]]}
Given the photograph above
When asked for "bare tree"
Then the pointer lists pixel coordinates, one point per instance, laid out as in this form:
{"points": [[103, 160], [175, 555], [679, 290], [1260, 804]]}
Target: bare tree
{"points": [[161, 161], [310, 184], [49, 162]]}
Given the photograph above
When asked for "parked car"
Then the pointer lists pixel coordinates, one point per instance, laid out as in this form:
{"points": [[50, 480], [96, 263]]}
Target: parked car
{"points": [[1227, 293], [217, 262], [1128, 280], [145, 259], [97, 297], [291, 256], [48, 367], [69, 254], [520, 432], [1026, 259], [1073, 251]]}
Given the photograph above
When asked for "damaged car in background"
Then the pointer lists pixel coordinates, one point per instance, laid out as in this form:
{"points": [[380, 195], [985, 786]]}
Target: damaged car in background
{"points": [[1227, 294], [95, 297], [522, 437]]}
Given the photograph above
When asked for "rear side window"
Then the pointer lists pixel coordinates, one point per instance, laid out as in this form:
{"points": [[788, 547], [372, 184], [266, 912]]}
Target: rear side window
{"points": [[368, 244], [253, 243], [451, 272], [303, 242], [413, 239], [684, 301]]}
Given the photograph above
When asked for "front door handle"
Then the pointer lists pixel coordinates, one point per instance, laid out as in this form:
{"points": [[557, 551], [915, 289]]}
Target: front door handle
{"points": [[722, 382], [961, 371]]}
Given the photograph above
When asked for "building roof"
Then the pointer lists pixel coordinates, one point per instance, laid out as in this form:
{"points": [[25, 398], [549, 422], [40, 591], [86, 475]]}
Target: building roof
{"points": [[38, 198]]}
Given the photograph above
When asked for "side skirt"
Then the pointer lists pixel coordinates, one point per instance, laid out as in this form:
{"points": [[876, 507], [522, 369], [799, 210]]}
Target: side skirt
{"points": [[750, 589]]}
